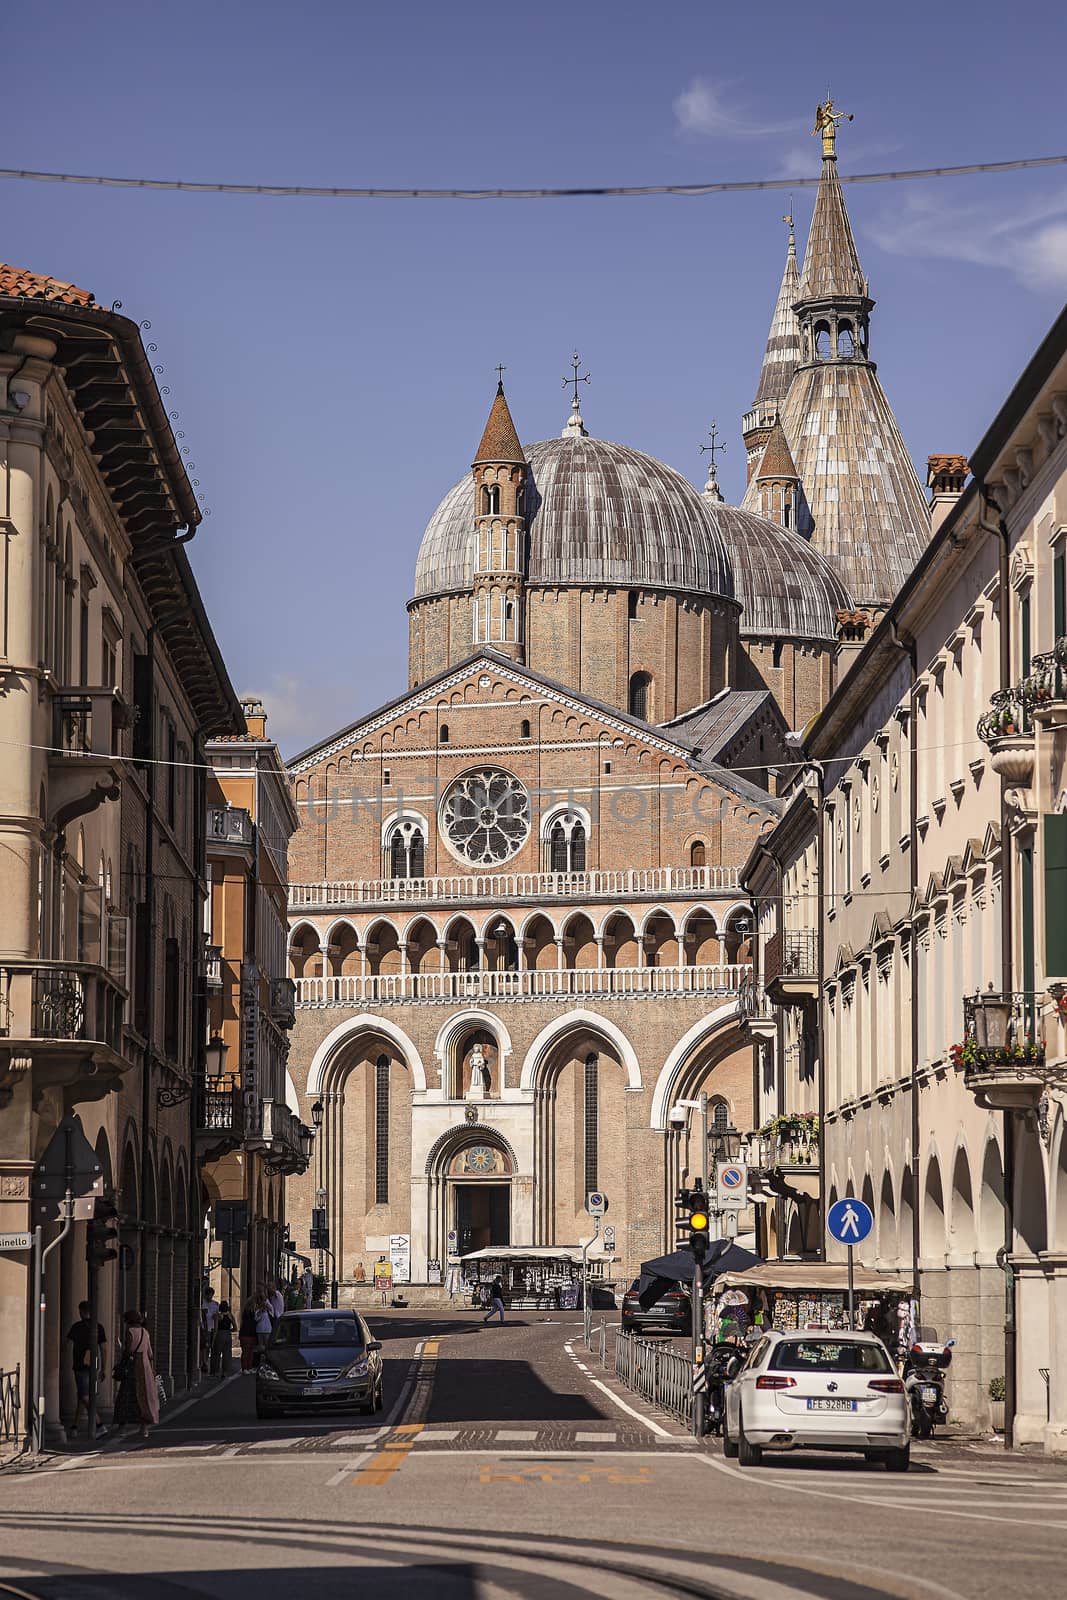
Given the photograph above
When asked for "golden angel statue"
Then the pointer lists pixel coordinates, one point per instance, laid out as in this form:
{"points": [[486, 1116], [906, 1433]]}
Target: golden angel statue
{"points": [[826, 120]]}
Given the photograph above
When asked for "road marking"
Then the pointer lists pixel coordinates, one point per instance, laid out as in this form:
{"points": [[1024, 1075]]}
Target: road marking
{"points": [[505, 1471], [349, 1439], [647, 1422], [376, 1470], [194, 1400], [516, 1433], [596, 1438], [346, 1471], [438, 1435], [279, 1444]]}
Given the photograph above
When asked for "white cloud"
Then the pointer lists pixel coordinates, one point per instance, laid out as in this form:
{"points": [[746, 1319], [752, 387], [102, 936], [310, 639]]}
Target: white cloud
{"points": [[1029, 242], [298, 712], [703, 108]]}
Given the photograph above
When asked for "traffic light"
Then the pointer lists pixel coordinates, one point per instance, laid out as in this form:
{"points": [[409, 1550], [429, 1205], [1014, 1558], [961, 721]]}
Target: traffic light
{"points": [[101, 1239], [697, 1220], [320, 1233]]}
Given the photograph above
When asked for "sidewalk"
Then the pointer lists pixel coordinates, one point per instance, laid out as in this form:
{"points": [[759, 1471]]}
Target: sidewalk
{"points": [[12, 1452]]}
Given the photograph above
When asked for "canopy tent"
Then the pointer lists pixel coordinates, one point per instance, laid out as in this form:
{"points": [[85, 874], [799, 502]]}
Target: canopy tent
{"points": [[678, 1267], [529, 1252], [799, 1277]]}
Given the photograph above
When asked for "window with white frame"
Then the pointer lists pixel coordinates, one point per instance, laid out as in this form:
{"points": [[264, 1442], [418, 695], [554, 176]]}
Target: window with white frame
{"points": [[564, 841], [406, 848]]}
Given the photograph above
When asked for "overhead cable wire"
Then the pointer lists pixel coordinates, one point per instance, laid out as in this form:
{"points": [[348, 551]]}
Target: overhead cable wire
{"points": [[596, 191]]}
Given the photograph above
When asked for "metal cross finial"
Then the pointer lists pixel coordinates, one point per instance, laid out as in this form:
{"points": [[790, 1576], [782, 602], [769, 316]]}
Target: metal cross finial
{"points": [[500, 371], [574, 380], [789, 219], [714, 447]]}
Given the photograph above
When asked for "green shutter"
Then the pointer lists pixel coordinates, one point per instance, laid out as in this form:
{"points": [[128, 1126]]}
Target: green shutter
{"points": [[1059, 589], [1024, 634], [1055, 839]]}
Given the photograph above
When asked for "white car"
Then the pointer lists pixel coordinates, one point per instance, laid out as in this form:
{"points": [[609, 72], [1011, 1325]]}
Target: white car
{"points": [[818, 1391]]}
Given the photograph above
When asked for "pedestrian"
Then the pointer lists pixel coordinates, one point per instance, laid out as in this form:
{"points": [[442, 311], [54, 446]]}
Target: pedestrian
{"points": [[247, 1334], [209, 1312], [307, 1287], [264, 1319], [496, 1301], [360, 1274], [138, 1398], [82, 1358], [222, 1341], [275, 1299]]}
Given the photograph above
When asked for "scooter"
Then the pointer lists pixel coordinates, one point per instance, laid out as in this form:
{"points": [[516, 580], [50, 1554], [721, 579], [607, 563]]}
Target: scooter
{"points": [[924, 1384], [724, 1361]]}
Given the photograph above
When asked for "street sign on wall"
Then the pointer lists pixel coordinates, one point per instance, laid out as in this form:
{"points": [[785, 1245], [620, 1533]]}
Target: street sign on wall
{"points": [[16, 1241], [400, 1257]]}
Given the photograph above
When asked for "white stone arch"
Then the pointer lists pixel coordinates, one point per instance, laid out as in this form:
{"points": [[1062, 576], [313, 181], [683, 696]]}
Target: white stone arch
{"points": [[376, 922], [699, 911], [535, 916], [563, 808], [395, 818], [454, 1139], [574, 1022], [655, 911], [413, 922], [326, 936], [739, 908], [459, 916], [718, 1021], [347, 1033], [958, 1224], [1057, 1200], [471, 1019]]}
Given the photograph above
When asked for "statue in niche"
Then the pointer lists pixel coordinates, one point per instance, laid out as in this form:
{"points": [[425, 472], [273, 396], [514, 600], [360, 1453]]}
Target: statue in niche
{"points": [[481, 1078]]}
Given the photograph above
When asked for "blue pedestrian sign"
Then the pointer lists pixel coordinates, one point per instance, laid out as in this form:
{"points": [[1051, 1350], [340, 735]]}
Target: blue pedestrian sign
{"points": [[849, 1221]]}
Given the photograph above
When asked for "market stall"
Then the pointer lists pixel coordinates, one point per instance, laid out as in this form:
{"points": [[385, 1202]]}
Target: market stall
{"points": [[791, 1295], [537, 1277]]}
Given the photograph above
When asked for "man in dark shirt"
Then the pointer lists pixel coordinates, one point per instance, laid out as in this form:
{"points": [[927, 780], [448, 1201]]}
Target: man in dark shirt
{"points": [[81, 1343]]}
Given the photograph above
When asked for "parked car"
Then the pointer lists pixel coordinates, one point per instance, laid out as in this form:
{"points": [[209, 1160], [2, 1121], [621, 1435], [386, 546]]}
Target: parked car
{"points": [[319, 1359], [670, 1313], [818, 1391]]}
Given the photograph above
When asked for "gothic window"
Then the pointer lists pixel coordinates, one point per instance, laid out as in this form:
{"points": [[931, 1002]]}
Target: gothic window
{"points": [[407, 851], [442, 737], [823, 345], [509, 612], [698, 853], [641, 696], [720, 1116], [592, 1111], [492, 499], [776, 655], [846, 341], [171, 998], [381, 1131], [485, 816], [631, 604], [566, 844]]}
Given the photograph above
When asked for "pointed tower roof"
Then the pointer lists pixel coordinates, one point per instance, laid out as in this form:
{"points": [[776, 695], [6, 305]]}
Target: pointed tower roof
{"points": [[777, 459], [500, 442], [782, 355], [831, 261]]}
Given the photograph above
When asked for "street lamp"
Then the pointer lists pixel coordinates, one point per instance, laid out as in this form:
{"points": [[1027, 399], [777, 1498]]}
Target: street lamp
{"points": [[316, 1114], [215, 1057], [306, 1139], [992, 1020]]}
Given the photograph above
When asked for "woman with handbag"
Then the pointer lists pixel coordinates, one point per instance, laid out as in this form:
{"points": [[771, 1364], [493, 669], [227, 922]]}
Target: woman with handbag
{"points": [[137, 1400]]}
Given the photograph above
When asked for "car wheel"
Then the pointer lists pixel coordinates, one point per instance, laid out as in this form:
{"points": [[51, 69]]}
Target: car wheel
{"points": [[729, 1448], [748, 1455], [898, 1460]]}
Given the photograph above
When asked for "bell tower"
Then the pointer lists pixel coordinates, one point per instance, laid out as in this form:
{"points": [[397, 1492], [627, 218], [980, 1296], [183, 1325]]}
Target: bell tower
{"points": [[500, 483]]}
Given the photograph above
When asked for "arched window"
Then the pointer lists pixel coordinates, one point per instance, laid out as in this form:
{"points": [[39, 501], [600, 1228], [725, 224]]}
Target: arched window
{"points": [[823, 346], [520, 501], [720, 1116], [492, 499], [776, 654], [641, 696], [509, 612], [846, 342], [524, 729], [631, 604], [698, 853], [592, 1114], [407, 851], [381, 1131], [442, 737], [566, 844]]}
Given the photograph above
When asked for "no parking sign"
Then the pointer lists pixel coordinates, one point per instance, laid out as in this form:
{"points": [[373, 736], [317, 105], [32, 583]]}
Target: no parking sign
{"points": [[731, 1185]]}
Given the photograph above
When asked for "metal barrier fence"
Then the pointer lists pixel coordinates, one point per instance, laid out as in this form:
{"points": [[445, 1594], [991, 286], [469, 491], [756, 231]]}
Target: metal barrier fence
{"points": [[9, 1404], [660, 1374], [598, 1341]]}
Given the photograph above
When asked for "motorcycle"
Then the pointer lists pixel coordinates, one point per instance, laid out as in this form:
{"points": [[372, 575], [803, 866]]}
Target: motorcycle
{"points": [[723, 1362], [924, 1384]]}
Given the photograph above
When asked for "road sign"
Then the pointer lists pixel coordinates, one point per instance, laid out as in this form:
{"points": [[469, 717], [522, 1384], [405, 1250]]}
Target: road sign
{"points": [[849, 1221], [231, 1218], [16, 1241], [69, 1164], [596, 1203], [731, 1185], [609, 1241]]}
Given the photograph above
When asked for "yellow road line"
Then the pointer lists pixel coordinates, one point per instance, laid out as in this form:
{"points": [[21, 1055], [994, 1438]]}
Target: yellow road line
{"points": [[388, 1460]]}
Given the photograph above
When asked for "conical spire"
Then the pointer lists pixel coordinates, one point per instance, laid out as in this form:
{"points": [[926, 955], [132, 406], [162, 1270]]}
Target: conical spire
{"points": [[777, 461], [831, 262], [500, 442], [782, 355]]}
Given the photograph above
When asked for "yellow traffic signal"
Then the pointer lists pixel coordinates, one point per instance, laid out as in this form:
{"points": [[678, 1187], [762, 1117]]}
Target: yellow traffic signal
{"points": [[698, 1222]]}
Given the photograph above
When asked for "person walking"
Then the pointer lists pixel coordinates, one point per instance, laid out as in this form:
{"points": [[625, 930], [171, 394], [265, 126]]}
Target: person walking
{"points": [[275, 1299], [222, 1341], [496, 1302], [82, 1356], [209, 1312], [247, 1333], [264, 1319], [138, 1399]]}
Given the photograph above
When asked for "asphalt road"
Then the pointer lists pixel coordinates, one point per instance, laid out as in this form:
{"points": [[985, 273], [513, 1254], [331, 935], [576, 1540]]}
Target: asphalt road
{"points": [[507, 1465]]}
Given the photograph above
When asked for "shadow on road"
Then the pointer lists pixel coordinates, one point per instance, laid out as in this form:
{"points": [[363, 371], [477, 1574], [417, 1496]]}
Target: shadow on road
{"points": [[488, 1390]]}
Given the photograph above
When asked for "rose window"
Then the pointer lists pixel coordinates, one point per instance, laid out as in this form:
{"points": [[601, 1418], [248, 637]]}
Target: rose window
{"points": [[485, 816]]}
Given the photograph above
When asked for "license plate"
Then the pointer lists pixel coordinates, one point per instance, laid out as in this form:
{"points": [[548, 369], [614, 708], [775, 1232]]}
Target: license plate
{"points": [[313, 1388], [831, 1405], [928, 1394]]}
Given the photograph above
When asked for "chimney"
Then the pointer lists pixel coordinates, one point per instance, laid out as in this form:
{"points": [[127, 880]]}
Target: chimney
{"points": [[255, 717], [945, 477]]}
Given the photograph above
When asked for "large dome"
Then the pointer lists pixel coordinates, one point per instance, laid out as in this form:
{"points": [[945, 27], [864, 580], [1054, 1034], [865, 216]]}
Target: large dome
{"points": [[787, 588], [600, 514]]}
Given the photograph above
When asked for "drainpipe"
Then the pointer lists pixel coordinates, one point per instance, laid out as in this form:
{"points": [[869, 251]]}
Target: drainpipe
{"points": [[1007, 973], [906, 643], [820, 1002]]}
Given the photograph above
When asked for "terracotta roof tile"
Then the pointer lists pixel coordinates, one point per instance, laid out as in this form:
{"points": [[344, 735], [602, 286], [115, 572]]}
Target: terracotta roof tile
{"points": [[23, 285], [500, 442], [777, 459]]}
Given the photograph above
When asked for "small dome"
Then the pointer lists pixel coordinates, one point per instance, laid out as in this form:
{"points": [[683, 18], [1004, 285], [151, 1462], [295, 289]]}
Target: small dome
{"points": [[599, 513], [786, 587]]}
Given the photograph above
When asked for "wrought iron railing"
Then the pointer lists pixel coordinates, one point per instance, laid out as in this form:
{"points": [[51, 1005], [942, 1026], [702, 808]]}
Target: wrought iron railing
{"points": [[222, 1110], [1007, 716], [87, 722], [791, 953], [657, 1372], [61, 1000], [10, 1403], [1015, 1050]]}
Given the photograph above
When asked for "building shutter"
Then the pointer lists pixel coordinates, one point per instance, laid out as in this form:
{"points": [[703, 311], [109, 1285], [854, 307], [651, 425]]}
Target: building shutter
{"points": [[1055, 840]]}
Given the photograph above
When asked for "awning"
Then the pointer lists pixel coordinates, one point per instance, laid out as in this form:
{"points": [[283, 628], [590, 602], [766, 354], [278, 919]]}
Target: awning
{"points": [[533, 1252], [814, 1277]]}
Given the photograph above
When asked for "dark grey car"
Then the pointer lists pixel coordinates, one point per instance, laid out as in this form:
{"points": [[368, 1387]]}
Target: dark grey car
{"points": [[319, 1359]]}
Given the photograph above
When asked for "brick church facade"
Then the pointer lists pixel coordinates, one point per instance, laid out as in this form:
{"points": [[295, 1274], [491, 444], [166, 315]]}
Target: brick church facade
{"points": [[516, 930]]}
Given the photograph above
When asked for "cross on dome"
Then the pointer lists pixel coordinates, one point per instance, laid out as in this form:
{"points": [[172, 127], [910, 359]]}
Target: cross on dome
{"points": [[575, 428]]}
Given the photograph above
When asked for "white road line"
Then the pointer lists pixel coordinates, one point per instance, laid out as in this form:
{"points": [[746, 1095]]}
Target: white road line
{"points": [[516, 1433], [409, 1383], [439, 1434], [349, 1439], [279, 1444], [596, 1438], [347, 1470], [646, 1422], [582, 1367]]}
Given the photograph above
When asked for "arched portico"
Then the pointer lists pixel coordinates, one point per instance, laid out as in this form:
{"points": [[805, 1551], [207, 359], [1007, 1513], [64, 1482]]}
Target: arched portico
{"points": [[719, 1023], [327, 1058], [576, 1022], [475, 1194]]}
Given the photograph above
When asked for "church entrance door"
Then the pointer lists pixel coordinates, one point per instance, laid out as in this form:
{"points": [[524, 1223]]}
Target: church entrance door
{"points": [[482, 1215]]}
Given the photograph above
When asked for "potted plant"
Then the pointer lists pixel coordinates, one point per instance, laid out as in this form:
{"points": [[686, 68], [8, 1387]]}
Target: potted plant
{"points": [[997, 1393]]}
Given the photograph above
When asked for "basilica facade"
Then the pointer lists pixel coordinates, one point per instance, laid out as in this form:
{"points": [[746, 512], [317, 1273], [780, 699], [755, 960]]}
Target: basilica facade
{"points": [[517, 934]]}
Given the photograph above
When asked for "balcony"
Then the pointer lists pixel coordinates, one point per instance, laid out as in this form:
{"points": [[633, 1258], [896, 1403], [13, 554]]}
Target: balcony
{"points": [[85, 747], [283, 1002], [1044, 689], [1002, 1056], [283, 1140], [213, 968], [784, 1155], [630, 883], [221, 1121], [1007, 729], [449, 987], [229, 826], [62, 1020], [791, 967]]}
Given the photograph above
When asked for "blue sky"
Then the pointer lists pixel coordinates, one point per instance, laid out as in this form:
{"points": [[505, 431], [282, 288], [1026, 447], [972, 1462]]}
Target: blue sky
{"points": [[332, 361]]}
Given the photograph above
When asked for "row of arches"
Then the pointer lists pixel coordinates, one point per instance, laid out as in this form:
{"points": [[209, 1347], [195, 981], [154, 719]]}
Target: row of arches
{"points": [[501, 943]]}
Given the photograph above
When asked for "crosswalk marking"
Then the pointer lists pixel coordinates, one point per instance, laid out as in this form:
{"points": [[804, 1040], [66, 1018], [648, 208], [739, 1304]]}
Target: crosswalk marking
{"points": [[595, 1438], [516, 1433]]}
